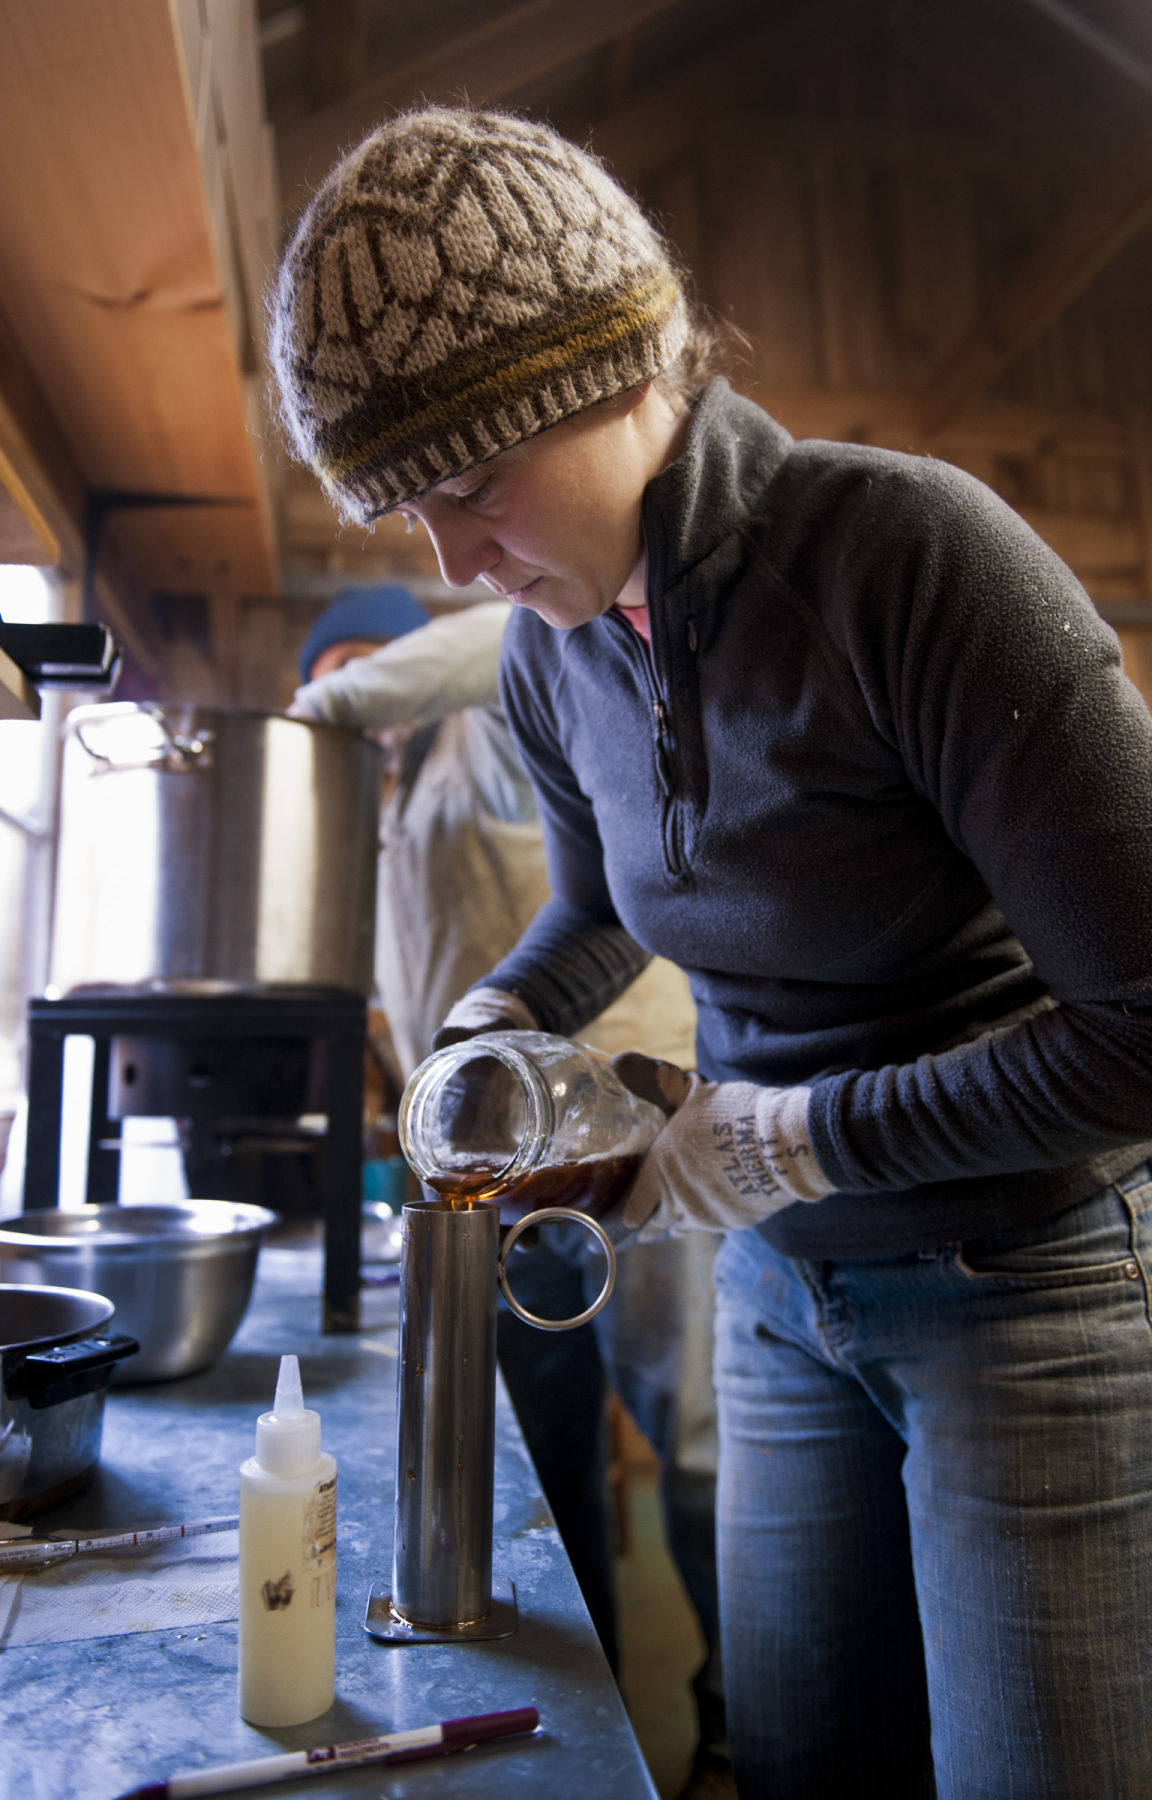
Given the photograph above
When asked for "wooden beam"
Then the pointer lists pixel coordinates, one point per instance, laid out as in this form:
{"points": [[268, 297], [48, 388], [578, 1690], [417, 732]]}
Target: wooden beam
{"points": [[657, 127], [25, 534], [336, 33], [314, 538], [37, 468], [1126, 615], [112, 278], [970, 54], [1096, 227], [1003, 427], [40, 463], [498, 55], [18, 698], [836, 137], [1092, 545], [187, 549], [619, 67], [1072, 22]]}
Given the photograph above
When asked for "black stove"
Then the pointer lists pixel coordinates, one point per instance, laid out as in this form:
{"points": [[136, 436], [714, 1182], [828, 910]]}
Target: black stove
{"points": [[235, 1070]]}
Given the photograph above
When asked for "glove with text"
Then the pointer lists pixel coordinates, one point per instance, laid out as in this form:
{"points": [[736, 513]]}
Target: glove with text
{"points": [[730, 1155]]}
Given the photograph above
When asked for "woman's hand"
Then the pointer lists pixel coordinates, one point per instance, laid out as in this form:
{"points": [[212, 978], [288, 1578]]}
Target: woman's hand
{"points": [[730, 1155], [665, 1084], [483, 1009]]}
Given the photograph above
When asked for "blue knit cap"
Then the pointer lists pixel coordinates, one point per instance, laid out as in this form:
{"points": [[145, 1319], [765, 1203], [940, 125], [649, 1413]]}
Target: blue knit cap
{"points": [[375, 612]]}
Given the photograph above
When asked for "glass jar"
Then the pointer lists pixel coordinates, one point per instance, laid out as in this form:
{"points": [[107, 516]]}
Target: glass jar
{"points": [[525, 1119]]}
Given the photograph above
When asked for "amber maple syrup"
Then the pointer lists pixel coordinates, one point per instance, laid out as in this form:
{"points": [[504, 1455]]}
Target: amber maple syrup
{"points": [[592, 1186]]}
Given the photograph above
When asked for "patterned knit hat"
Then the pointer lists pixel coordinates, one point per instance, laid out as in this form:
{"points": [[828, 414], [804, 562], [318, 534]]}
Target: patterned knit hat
{"points": [[461, 281]]}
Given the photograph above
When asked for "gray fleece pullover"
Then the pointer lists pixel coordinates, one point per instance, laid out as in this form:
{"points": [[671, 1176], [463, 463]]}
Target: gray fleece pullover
{"points": [[883, 790]]}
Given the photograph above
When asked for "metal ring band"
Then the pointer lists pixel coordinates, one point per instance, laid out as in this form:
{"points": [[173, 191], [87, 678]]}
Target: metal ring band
{"points": [[570, 1214]]}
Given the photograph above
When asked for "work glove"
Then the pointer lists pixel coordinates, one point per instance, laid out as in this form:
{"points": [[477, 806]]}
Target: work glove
{"points": [[730, 1155], [483, 1009]]}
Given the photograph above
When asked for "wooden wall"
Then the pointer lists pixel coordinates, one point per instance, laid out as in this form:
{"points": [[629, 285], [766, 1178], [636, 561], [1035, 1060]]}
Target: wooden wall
{"points": [[929, 217], [856, 257]]}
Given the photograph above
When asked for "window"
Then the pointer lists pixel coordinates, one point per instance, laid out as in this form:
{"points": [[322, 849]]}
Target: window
{"points": [[29, 751]]}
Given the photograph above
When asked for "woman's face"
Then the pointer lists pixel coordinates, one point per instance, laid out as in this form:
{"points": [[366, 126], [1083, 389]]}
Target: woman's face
{"points": [[554, 523]]}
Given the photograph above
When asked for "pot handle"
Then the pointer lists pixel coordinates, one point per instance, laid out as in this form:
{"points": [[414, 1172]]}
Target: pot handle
{"points": [[47, 1377], [183, 748], [186, 748]]}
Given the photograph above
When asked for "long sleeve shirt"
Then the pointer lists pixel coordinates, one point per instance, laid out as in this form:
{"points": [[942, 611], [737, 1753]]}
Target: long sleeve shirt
{"points": [[882, 789], [449, 667]]}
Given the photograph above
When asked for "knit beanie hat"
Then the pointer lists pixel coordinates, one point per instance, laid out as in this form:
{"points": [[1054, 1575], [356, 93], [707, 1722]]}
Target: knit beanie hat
{"points": [[362, 613], [461, 281]]}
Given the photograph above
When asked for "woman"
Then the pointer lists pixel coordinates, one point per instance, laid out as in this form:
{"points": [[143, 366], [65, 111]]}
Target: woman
{"points": [[833, 730], [460, 875]]}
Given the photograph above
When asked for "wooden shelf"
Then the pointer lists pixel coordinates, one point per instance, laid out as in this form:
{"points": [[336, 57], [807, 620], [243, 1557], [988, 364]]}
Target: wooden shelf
{"points": [[18, 698]]}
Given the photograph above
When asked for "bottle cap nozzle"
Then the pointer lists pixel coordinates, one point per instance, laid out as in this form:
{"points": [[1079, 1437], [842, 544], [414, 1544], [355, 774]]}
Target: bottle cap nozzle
{"points": [[289, 1401], [288, 1437]]}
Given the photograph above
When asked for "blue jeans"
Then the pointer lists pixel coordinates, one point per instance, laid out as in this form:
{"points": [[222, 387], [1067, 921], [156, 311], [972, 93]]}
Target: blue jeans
{"points": [[935, 1513], [557, 1386], [652, 1342]]}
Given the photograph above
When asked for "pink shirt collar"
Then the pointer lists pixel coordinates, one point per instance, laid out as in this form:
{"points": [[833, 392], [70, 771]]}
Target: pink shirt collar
{"points": [[637, 617]]}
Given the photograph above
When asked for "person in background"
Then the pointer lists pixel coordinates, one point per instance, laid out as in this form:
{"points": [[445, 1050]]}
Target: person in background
{"points": [[832, 729], [461, 862], [460, 875]]}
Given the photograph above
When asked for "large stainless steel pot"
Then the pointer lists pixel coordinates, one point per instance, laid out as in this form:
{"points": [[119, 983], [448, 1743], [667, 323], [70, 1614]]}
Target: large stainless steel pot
{"points": [[55, 1364], [210, 851]]}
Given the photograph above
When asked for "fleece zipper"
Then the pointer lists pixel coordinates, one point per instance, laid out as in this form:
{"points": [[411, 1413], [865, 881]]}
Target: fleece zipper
{"points": [[664, 755]]}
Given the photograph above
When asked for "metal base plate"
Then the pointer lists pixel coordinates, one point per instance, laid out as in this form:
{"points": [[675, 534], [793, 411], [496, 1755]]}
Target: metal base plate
{"points": [[385, 1624]]}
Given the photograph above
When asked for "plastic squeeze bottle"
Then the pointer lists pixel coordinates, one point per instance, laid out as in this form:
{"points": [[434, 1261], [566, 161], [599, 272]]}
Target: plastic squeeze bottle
{"points": [[287, 1564]]}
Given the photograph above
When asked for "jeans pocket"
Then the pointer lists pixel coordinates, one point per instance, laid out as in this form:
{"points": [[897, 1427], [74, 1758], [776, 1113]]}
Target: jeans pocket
{"points": [[1091, 1242]]}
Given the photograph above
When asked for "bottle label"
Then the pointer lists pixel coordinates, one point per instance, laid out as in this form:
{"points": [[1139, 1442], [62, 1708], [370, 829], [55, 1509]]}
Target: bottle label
{"points": [[319, 1547]]}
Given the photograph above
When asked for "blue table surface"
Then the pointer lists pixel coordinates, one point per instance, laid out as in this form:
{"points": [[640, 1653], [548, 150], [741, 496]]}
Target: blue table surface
{"points": [[97, 1718]]}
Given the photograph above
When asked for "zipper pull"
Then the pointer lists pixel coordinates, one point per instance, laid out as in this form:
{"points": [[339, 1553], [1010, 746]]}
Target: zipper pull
{"points": [[663, 763]]}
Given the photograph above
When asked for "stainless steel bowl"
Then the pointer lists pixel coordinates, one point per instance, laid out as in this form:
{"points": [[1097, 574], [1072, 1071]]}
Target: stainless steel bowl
{"points": [[180, 1277]]}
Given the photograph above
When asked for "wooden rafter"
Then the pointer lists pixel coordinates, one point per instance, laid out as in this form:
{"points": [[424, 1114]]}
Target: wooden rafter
{"points": [[1098, 225], [39, 472], [115, 258], [1088, 35], [973, 54], [497, 56], [337, 33], [655, 128]]}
